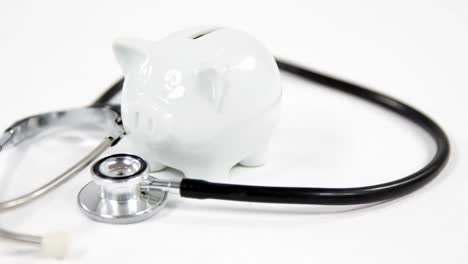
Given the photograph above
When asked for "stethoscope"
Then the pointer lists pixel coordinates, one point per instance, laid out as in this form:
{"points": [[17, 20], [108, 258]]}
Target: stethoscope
{"points": [[122, 190]]}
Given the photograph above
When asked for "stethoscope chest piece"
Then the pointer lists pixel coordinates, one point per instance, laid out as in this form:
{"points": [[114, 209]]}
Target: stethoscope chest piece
{"points": [[114, 196]]}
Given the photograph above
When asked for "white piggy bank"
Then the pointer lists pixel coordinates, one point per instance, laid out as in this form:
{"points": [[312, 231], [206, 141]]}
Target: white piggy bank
{"points": [[200, 100]]}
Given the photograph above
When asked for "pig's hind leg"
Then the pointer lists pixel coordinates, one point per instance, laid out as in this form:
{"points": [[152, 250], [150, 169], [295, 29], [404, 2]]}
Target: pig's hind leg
{"points": [[256, 159], [208, 173]]}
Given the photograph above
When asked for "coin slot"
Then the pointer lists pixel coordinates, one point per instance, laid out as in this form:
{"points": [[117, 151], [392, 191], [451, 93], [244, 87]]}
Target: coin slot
{"points": [[204, 33]]}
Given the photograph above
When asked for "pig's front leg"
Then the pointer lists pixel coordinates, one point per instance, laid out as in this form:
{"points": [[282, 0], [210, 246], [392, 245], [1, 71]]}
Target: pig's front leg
{"points": [[147, 154]]}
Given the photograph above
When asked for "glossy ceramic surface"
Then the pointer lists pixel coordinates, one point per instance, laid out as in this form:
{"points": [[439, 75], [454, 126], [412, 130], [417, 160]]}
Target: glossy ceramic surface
{"points": [[200, 100]]}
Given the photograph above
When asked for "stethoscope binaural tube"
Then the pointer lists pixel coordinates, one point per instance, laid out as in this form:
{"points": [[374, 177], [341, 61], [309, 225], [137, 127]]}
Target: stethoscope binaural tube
{"points": [[55, 244], [199, 189], [32, 126]]}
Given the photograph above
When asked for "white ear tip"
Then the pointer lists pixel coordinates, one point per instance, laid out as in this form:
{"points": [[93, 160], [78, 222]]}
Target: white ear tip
{"points": [[130, 53], [55, 245]]}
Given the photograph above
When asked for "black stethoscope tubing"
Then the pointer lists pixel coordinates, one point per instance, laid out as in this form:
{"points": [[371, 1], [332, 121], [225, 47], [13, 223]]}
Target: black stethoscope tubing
{"points": [[200, 189]]}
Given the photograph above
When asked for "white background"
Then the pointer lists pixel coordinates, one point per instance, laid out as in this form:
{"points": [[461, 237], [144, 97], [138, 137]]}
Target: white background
{"points": [[57, 54]]}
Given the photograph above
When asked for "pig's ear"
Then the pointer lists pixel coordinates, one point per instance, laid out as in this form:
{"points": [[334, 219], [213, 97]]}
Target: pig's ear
{"points": [[131, 53], [212, 86]]}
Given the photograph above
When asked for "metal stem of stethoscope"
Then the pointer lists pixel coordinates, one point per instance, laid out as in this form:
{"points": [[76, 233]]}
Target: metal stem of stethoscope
{"points": [[158, 184]]}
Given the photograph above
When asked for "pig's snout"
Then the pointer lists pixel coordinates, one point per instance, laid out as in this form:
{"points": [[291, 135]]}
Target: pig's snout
{"points": [[152, 123]]}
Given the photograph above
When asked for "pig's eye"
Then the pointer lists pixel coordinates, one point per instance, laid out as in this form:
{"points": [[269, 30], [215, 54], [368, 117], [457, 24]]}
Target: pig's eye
{"points": [[173, 84]]}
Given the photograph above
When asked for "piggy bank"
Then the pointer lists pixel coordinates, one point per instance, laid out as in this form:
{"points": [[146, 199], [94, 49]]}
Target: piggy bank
{"points": [[200, 101]]}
